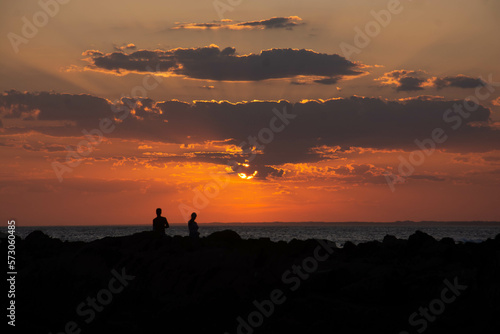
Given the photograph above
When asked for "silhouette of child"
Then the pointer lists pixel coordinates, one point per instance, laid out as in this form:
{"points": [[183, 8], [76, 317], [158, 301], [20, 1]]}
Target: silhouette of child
{"points": [[193, 227], [160, 223]]}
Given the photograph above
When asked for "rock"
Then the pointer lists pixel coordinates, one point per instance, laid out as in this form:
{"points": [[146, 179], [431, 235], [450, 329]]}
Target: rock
{"points": [[211, 288], [447, 241], [226, 237], [389, 239], [349, 246], [420, 239], [37, 236]]}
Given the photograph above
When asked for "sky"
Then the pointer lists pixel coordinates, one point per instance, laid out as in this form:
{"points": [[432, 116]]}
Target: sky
{"points": [[249, 111]]}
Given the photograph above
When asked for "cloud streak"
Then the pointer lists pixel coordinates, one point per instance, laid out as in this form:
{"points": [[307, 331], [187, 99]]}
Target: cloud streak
{"points": [[287, 23], [408, 81], [459, 81]]}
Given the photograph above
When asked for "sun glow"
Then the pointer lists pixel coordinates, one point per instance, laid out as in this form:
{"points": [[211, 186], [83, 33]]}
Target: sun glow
{"points": [[247, 177]]}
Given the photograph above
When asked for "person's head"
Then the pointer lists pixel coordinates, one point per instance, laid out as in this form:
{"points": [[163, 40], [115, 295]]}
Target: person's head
{"points": [[193, 216], [158, 212]]}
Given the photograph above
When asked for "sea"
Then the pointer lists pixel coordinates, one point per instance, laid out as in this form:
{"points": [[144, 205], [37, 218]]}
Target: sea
{"points": [[339, 233]]}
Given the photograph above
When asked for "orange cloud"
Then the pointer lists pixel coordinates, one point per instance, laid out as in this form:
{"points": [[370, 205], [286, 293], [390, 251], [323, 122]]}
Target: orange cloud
{"points": [[272, 23]]}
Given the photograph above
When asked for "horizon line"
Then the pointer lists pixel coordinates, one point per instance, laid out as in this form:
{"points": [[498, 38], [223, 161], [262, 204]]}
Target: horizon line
{"points": [[304, 223]]}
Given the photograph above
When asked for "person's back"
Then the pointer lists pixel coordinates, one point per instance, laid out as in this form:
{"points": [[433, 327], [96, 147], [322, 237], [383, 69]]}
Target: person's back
{"points": [[160, 223]]}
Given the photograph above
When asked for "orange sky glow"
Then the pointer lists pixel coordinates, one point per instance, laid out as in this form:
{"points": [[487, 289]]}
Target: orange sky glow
{"points": [[282, 112]]}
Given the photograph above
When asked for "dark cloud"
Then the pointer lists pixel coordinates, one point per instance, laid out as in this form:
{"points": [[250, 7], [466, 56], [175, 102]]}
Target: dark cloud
{"points": [[404, 81], [327, 81], [408, 84], [273, 23], [460, 81], [407, 81], [345, 122], [212, 25], [353, 169], [42, 147], [52, 106], [352, 174], [212, 63], [138, 61]]}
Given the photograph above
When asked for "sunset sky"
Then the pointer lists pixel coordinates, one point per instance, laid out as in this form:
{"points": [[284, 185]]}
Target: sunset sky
{"points": [[359, 110]]}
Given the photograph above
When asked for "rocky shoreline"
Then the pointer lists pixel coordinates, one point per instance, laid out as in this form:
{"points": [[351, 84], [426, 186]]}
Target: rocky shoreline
{"points": [[144, 283]]}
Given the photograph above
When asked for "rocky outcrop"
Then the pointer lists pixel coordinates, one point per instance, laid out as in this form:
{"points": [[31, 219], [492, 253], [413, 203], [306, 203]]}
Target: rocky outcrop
{"points": [[148, 284]]}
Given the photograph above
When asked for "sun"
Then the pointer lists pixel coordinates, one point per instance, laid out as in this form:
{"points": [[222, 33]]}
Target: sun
{"points": [[247, 177], [243, 170]]}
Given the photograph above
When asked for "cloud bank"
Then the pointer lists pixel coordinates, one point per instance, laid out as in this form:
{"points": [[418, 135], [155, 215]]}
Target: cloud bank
{"points": [[308, 128], [212, 63]]}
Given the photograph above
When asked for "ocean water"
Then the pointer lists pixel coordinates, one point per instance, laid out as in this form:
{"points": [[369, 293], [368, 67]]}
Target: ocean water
{"points": [[336, 233]]}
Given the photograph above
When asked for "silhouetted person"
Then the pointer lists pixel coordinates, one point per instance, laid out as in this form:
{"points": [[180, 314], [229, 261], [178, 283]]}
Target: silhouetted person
{"points": [[160, 223], [193, 227]]}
